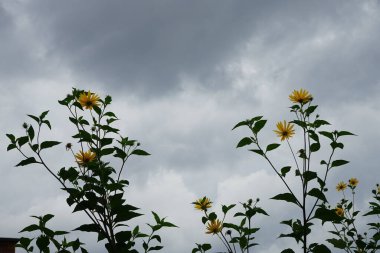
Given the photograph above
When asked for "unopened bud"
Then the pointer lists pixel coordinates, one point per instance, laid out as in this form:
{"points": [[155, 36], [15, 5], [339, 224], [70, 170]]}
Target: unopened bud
{"points": [[24, 125], [68, 146]]}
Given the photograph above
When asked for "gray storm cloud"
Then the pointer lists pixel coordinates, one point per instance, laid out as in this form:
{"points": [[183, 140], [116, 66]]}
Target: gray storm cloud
{"points": [[182, 74]]}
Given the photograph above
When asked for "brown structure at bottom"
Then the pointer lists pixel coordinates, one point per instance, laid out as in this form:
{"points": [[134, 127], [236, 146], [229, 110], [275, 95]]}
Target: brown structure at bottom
{"points": [[7, 245]]}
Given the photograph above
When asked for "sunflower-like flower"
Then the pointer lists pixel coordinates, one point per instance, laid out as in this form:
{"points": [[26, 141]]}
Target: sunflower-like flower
{"points": [[88, 100], [214, 227], [300, 96], [202, 204], [339, 211], [83, 158], [341, 186], [284, 130], [353, 182]]}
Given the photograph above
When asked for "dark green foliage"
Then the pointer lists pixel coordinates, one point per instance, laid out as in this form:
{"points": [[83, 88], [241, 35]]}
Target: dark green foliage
{"points": [[93, 185]]}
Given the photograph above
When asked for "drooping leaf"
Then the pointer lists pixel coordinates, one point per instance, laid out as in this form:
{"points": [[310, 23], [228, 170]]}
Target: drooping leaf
{"points": [[315, 192], [327, 134], [288, 197], [27, 161]]}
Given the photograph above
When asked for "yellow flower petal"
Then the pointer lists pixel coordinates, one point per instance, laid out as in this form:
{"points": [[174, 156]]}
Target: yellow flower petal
{"points": [[284, 130], [89, 100], [300, 96]]}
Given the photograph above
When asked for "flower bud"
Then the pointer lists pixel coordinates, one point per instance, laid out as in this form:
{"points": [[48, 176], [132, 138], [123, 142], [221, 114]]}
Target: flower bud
{"points": [[68, 146]]}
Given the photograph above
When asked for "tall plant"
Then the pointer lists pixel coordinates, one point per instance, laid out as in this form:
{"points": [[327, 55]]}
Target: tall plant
{"points": [[94, 185], [310, 193]]}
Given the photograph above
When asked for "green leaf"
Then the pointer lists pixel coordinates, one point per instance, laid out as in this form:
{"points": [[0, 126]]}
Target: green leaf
{"points": [[22, 140], [123, 236], [42, 242], [88, 228], [272, 146], [97, 110], [155, 248], [225, 209], [108, 100], [335, 145], [47, 217], [337, 163], [107, 151], [110, 114], [25, 242], [318, 194], [49, 144], [342, 133], [241, 123], [46, 122], [325, 215], [300, 123], [30, 228], [259, 125], [31, 133], [43, 115], [314, 147], [309, 175], [337, 243], [244, 142], [11, 137], [310, 109], [139, 152], [34, 117], [156, 237], [321, 248], [156, 218], [288, 197], [257, 151], [320, 122], [327, 134], [206, 246], [27, 161], [285, 170], [287, 251], [11, 146], [212, 216]]}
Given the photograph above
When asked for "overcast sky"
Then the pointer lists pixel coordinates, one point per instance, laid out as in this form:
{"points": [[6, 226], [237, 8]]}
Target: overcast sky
{"points": [[182, 74]]}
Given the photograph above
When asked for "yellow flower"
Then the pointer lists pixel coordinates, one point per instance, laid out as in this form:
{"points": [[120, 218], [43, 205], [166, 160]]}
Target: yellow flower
{"points": [[202, 204], [85, 157], [214, 227], [300, 96], [353, 182], [88, 100], [341, 186], [378, 189], [284, 130], [339, 211]]}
